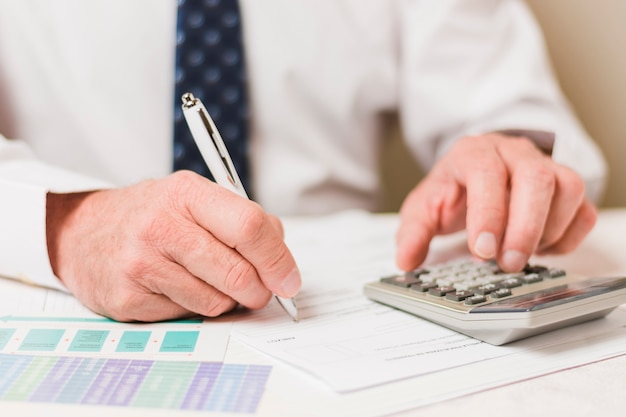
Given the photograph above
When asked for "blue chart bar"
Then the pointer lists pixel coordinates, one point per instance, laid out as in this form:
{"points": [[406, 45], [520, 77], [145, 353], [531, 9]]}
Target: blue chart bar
{"points": [[208, 386]]}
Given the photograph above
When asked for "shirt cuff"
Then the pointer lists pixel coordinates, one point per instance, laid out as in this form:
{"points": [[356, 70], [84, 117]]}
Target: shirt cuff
{"points": [[23, 219], [544, 140]]}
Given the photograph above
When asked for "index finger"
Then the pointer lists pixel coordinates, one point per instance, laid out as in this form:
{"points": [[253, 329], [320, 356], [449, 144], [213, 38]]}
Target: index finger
{"points": [[436, 205], [245, 227], [485, 178]]}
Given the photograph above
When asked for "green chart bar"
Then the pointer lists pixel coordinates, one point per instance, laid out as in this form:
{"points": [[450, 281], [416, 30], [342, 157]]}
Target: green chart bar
{"points": [[42, 340]]}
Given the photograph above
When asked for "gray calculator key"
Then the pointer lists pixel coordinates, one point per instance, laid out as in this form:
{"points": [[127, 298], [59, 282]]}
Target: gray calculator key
{"points": [[554, 273], [486, 289], [440, 291], [405, 280], [501, 293], [423, 287], [511, 283], [475, 299], [459, 295], [532, 278]]}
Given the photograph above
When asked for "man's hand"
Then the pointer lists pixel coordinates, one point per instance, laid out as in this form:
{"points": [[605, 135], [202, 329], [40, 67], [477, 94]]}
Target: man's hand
{"points": [[168, 248], [512, 199]]}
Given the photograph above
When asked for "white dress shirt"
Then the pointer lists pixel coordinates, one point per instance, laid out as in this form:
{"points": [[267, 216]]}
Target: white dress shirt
{"points": [[86, 99]]}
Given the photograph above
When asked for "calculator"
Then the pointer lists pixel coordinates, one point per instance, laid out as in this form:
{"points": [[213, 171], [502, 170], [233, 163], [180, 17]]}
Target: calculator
{"points": [[476, 298]]}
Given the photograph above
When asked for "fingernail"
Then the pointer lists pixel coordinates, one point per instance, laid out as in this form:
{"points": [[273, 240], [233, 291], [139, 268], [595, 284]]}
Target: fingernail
{"points": [[291, 285], [485, 245], [513, 260]]}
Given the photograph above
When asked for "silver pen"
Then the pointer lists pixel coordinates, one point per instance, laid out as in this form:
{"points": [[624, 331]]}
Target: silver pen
{"points": [[217, 158]]}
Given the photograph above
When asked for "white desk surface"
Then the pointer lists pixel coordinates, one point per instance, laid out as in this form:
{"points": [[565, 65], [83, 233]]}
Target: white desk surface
{"points": [[596, 389]]}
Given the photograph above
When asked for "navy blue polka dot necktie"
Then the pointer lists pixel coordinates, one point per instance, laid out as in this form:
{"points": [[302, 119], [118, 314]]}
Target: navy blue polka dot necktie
{"points": [[210, 65]]}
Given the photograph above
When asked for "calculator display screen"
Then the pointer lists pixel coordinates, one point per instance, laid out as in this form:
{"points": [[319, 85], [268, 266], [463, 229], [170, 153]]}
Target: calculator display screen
{"points": [[554, 296]]}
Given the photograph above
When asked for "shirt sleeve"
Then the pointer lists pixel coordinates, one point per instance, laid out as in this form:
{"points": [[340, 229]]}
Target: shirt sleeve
{"points": [[24, 186], [482, 66]]}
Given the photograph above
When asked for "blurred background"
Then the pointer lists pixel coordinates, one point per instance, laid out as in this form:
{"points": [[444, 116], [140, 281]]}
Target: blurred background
{"points": [[587, 44]]}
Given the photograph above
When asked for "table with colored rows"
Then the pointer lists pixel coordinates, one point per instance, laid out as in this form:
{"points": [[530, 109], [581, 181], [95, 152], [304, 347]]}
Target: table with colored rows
{"points": [[209, 386]]}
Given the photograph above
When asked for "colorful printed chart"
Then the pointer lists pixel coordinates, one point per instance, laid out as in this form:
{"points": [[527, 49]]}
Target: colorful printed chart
{"points": [[93, 361], [93, 340], [103, 338], [209, 386]]}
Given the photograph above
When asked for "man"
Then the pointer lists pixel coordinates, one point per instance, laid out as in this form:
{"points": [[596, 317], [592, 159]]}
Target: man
{"points": [[87, 98]]}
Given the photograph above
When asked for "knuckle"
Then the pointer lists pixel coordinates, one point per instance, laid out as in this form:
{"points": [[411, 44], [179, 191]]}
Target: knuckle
{"points": [[218, 304], [124, 306], [158, 234], [238, 277], [571, 185], [278, 259], [136, 258], [498, 169], [544, 175], [471, 145], [277, 224], [519, 145], [524, 144], [181, 179], [587, 217], [495, 171], [253, 223], [260, 301], [181, 187], [590, 216], [540, 175]]}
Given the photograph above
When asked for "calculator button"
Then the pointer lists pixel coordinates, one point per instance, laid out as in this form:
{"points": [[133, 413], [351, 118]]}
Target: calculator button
{"points": [[486, 289], [554, 273], [423, 287], [440, 291], [501, 293], [459, 295], [431, 277], [404, 281], [508, 275], [475, 299], [511, 283], [489, 279], [445, 282], [532, 278], [464, 285], [536, 269], [417, 272]]}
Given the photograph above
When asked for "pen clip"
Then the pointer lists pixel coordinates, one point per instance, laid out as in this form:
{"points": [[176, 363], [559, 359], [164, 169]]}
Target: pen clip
{"points": [[219, 145]]}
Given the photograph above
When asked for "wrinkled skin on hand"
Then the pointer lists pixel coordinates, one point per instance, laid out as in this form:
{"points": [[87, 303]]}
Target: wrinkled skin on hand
{"points": [[168, 248], [513, 200]]}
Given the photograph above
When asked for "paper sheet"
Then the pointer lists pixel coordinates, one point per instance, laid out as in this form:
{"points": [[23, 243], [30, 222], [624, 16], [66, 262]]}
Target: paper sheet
{"points": [[293, 392], [341, 333], [352, 343], [343, 338]]}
